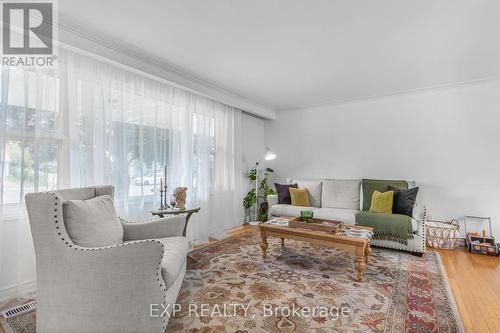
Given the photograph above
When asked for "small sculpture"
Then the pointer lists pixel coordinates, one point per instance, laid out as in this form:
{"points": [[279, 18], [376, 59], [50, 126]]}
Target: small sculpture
{"points": [[180, 194]]}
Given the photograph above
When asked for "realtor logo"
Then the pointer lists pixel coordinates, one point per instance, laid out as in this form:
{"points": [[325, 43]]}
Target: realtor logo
{"points": [[28, 29]]}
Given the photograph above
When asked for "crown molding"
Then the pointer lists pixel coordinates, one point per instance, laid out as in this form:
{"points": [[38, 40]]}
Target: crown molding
{"points": [[148, 64], [453, 85]]}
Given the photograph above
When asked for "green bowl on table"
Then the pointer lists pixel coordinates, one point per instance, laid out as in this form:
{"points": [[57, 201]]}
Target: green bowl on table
{"points": [[307, 215]]}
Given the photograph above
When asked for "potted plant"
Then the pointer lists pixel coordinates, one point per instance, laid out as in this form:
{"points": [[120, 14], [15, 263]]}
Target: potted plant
{"points": [[258, 195]]}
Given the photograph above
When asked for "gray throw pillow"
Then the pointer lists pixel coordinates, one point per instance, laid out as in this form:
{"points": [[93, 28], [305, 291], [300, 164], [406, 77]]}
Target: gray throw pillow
{"points": [[404, 200], [93, 222], [283, 191]]}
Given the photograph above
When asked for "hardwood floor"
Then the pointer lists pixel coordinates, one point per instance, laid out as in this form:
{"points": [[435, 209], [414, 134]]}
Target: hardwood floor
{"points": [[474, 280]]}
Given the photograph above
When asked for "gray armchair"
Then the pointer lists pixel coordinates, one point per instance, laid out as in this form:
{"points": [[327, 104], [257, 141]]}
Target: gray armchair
{"points": [[103, 289]]}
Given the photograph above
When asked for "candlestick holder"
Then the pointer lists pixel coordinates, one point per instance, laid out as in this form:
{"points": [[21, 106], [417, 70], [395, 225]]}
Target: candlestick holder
{"points": [[161, 199]]}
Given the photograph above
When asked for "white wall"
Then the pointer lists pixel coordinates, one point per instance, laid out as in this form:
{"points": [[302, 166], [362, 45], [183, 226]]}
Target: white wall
{"points": [[448, 140], [17, 261], [253, 144]]}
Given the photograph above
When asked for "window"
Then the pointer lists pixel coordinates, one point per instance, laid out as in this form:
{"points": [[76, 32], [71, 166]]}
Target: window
{"points": [[89, 122], [32, 139]]}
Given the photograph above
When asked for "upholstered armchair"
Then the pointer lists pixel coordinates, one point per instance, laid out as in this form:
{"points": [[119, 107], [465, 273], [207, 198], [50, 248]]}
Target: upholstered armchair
{"points": [[106, 288]]}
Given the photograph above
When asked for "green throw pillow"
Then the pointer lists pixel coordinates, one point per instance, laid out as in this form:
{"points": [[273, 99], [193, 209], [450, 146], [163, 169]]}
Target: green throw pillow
{"points": [[371, 185]]}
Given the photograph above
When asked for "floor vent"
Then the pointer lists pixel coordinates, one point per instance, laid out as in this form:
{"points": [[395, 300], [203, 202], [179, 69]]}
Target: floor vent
{"points": [[19, 310]]}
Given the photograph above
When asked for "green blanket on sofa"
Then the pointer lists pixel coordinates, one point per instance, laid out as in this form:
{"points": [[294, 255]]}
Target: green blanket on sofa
{"points": [[393, 227]]}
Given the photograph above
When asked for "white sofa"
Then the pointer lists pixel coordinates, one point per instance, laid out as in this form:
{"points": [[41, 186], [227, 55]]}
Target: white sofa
{"points": [[341, 199]]}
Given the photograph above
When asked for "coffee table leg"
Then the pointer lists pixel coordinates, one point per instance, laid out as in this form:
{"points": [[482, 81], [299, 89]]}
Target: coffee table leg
{"points": [[368, 252], [263, 245], [282, 242], [360, 264]]}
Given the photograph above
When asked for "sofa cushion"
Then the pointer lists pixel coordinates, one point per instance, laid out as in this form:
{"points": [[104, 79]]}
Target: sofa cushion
{"points": [[288, 210], [371, 185], [340, 193], [272, 199], [92, 222], [382, 202], [174, 258], [300, 196], [348, 216], [314, 189], [404, 200], [283, 191]]}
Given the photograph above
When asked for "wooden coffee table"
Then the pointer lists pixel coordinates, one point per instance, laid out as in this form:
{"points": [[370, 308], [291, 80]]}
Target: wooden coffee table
{"points": [[357, 245]]}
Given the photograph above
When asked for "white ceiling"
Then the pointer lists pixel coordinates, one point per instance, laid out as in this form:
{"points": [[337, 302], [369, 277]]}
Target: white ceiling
{"points": [[289, 54]]}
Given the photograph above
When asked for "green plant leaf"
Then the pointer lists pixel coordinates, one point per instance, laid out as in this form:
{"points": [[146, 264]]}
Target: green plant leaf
{"points": [[252, 174], [269, 191], [252, 196], [250, 199]]}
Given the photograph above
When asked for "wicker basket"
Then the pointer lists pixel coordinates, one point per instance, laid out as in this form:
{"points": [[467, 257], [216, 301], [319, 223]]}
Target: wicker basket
{"points": [[442, 234]]}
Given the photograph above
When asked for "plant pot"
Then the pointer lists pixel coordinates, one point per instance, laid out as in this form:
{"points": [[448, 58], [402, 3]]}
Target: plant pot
{"points": [[263, 209]]}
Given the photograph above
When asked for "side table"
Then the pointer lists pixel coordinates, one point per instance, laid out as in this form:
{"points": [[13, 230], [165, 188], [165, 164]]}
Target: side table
{"points": [[175, 211]]}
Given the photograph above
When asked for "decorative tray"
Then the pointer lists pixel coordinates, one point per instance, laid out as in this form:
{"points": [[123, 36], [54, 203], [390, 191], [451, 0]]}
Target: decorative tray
{"points": [[329, 226]]}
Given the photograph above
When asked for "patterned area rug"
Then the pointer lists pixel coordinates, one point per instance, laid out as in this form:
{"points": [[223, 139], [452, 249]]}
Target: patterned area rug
{"points": [[242, 292], [401, 292], [23, 323]]}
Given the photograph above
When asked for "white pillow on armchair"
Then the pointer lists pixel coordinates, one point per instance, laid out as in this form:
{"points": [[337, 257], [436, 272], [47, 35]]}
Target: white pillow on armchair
{"points": [[92, 222]]}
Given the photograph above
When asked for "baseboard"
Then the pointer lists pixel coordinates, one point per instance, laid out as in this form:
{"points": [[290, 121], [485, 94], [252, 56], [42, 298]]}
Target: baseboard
{"points": [[11, 292], [237, 222]]}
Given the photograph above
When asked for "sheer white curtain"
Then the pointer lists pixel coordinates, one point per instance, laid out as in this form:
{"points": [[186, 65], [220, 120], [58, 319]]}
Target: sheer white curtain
{"points": [[91, 122], [30, 144]]}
